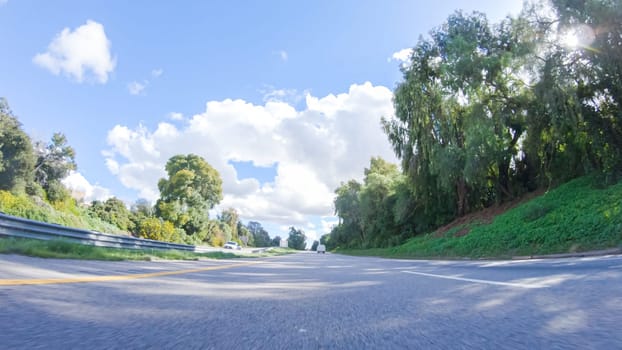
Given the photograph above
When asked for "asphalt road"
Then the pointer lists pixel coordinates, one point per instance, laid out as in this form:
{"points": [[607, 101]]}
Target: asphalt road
{"points": [[311, 301]]}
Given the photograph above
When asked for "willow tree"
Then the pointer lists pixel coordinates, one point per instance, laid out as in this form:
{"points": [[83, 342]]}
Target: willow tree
{"points": [[580, 86], [460, 114], [349, 231]]}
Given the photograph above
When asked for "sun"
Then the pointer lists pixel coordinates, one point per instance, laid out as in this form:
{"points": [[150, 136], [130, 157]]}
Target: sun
{"points": [[579, 36], [570, 40]]}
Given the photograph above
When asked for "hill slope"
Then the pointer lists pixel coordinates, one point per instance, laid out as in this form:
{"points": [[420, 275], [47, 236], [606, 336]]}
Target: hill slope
{"points": [[574, 217]]}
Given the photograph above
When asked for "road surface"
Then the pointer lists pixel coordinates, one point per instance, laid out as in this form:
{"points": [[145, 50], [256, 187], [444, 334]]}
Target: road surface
{"points": [[311, 301]]}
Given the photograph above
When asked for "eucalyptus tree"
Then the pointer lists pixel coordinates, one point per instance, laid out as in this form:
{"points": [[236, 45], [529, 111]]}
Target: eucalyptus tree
{"points": [[54, 162]]}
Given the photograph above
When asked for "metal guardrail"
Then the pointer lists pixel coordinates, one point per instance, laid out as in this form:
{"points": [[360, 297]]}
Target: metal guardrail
{"points": [[12, 226]]}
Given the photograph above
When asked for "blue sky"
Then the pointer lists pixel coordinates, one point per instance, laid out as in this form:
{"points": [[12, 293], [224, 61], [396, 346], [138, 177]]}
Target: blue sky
{"points": [[284, 98]]}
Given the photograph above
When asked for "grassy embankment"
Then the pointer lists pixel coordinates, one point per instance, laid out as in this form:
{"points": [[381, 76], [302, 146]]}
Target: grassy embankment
{"points": [[574, 217], [67, 250], [66, 213], [69, 214]]}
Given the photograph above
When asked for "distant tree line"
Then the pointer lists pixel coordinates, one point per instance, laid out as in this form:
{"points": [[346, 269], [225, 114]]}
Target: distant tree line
{"points": [[191, 189], [487, 112]]}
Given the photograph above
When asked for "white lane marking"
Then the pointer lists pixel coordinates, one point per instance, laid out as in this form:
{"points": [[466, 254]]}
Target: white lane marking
{"points": [[474, 280]]}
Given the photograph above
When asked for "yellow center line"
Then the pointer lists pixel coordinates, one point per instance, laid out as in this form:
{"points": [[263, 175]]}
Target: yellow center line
{"points": [[86, 279]]}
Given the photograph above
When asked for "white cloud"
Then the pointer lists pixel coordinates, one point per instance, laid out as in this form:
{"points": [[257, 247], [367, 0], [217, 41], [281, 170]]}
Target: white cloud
{"points": [[156, 73], [176, 116], [402, 56], [136, 88], [290, 96], [84, 191], [2, 2], [313, 149], [75, 53]]}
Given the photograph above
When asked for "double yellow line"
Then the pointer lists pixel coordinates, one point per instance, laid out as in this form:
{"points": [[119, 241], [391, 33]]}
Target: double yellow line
{"points": [[86, 279]]}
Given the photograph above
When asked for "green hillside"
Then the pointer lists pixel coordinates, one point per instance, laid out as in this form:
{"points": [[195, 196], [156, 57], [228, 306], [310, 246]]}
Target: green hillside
{"points": [[65, 212], [574, 217]]}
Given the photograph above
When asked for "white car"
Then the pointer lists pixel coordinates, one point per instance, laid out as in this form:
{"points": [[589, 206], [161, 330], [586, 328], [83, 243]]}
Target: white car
{"points": [[232, 245], [321, 249]]}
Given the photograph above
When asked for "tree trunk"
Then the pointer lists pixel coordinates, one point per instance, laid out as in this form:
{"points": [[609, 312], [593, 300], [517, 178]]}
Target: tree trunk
{"points": [[461, 190]]}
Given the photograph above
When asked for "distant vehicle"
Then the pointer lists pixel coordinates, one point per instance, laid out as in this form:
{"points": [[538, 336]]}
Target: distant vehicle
{"points": [[321, 249], [232, 245]]}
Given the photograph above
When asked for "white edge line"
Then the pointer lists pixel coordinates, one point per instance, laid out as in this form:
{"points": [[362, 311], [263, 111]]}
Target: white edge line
{"points": [[507, 284]]}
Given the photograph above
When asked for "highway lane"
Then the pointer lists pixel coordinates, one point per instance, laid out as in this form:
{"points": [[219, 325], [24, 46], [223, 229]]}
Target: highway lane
{"points": [[311, 301]]}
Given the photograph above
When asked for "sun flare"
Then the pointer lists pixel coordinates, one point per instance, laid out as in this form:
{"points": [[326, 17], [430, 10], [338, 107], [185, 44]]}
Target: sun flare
{"points": [[580, 36]]}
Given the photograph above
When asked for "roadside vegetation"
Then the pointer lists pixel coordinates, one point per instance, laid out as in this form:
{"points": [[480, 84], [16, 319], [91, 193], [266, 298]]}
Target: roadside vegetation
{"points": [[577, 216], [485, 115], [67, 250], [32, 187]]}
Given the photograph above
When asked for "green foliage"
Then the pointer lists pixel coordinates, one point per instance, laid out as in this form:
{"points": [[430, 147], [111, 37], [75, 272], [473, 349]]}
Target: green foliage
{"points": [[230, 218], [276, 241], [67, 250], [297, 239], [57, 192], [487, 112], [460, 114], [191, 189], [157, 229], [67, 213], [16, 154], [113, 211], [245, 235], [261, 238], [314, 245], [54, 162], [325, 239], [142, 208], [378, 213], [219, 233], [577, 216]]}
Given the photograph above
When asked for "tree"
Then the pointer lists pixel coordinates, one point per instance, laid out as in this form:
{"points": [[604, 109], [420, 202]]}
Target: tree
{"points": [[245, 236], [16, 155], [376, 203], [276, 241], [230, 217], [325, 239], [113, 211], [347, 208], [191, 189], [54, 160], [142, 208], [157, 229], [461, 114], [314, 245], [297, 239], [218, 233], [260, 235], [578, 127]]}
